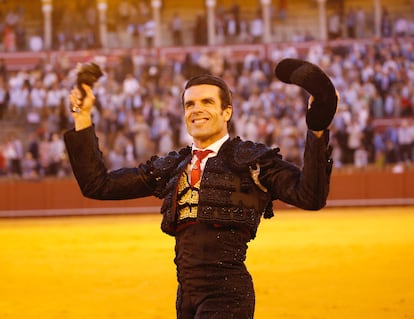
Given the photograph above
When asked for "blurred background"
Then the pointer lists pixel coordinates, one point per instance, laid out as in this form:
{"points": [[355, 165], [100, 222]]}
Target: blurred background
{"points": [[149, 48]]}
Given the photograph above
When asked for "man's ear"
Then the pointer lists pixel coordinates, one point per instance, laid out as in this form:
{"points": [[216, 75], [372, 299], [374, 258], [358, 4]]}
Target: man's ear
{"points": [[227, 112]]}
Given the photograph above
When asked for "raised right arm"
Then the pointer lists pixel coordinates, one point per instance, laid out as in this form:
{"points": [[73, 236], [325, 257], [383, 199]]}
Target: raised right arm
{"points": [[87, 161], [94, 179]]}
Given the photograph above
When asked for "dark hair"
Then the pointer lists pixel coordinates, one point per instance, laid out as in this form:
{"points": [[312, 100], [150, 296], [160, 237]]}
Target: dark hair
{"points": [[225, 93]]}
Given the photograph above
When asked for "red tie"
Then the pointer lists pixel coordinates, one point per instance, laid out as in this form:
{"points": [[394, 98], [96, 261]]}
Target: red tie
{"points": [[196, 170]]}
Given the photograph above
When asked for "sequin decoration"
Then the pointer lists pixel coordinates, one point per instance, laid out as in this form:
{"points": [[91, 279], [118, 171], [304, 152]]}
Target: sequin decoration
{"points": [[187, 199]]}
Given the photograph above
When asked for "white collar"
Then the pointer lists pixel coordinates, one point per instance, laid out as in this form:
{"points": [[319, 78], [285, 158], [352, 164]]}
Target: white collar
{"points": [[215, 147]]}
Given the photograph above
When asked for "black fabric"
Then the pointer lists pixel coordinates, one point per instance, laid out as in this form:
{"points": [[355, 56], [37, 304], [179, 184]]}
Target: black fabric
{"points": [[213, 280], [93, 177], [228, 195], [315, 81]]}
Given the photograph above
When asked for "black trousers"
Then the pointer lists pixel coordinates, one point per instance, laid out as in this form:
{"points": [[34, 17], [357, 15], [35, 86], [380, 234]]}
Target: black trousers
{"points": [[213, 280]]}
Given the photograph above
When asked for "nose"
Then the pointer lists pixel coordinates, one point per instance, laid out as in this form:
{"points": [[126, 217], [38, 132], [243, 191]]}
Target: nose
{"points": [[197, 106]]}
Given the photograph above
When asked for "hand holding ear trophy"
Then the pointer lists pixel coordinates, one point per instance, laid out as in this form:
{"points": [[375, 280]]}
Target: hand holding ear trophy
{"points": [[87, 74]]}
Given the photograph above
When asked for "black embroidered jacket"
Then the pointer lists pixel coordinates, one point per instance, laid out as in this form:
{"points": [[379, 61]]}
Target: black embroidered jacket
{"points": [[237, 187]]}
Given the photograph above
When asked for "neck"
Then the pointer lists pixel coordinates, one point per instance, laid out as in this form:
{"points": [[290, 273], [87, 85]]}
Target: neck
{"points": [[214, 145]]}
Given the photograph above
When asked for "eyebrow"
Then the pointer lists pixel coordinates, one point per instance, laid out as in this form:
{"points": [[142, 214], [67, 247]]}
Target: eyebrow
{"points": [[188, 103], [203, 100], [207, 100]]}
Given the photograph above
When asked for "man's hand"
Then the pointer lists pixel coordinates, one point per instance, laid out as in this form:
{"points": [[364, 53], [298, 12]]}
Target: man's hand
{"points": [[82, 98], [82, 108], [318, 134]]}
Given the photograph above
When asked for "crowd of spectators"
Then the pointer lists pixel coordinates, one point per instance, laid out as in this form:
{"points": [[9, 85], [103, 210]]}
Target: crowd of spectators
{"points": [[131, 23], [138, 106]]}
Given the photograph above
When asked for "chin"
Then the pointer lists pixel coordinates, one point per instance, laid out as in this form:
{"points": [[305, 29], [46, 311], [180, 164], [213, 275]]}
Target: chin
{"points": [[199, 137], [198, 133]]}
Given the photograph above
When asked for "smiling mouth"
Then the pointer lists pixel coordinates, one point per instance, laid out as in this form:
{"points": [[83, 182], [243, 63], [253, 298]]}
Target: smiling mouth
{"points": [[199, 121]]}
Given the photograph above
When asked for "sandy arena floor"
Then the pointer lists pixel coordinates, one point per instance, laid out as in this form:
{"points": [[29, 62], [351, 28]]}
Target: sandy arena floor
{"points": [[336, 264]]}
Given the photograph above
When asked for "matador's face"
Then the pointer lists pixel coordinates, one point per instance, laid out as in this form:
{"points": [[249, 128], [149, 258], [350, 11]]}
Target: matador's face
{"points": [[204, 116]]}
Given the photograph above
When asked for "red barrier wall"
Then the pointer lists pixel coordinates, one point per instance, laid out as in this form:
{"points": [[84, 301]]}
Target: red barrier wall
{"points": [[62, 196], [372, 187]]}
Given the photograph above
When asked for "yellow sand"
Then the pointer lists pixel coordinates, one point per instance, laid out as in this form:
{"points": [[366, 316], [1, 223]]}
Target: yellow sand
{"points": [[337, 263]]}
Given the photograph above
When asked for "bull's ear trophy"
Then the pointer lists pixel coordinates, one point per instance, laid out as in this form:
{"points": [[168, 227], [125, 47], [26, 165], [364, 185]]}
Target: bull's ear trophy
{"points": [[316, 82], [88, 74]]}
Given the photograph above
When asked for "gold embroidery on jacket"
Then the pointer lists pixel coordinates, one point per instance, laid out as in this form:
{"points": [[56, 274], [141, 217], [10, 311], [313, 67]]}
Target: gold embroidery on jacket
{"points": [[187, 198]]}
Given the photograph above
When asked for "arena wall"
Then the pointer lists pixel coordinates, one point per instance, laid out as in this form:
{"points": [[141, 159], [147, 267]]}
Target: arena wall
{"points": [[54, 197]]}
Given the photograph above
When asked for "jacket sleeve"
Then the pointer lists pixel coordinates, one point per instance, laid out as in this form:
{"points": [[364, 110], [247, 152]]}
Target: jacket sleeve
{"points": [[305, 188], [93, 177]]}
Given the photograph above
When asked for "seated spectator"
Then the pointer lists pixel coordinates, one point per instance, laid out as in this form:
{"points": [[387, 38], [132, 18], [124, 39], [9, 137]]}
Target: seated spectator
{"points": [[29, 167]]}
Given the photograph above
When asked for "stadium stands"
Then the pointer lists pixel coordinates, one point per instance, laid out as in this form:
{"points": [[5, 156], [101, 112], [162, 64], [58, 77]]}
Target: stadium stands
{"points": [[373, 130]]}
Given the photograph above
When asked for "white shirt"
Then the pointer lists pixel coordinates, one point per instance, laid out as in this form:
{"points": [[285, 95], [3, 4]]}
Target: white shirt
{"points": [[214, 148]]}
